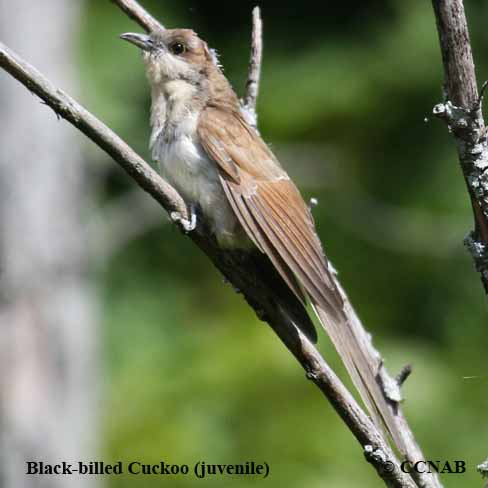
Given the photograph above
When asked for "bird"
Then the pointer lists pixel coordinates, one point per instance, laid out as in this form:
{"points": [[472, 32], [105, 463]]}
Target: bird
{"points": [[222, 167]]}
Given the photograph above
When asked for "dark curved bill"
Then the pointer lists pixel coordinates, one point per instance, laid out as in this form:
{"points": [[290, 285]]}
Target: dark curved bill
{"points": [[142, 41]]}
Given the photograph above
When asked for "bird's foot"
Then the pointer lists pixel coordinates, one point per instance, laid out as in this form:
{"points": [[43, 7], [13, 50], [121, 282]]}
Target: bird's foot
{"points": [[188, 225]]}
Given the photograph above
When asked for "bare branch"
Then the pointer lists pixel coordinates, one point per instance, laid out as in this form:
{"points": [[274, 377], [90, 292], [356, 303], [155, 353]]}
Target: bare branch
{"points": [[456, 52], [462, 113], [139, 14], [145, 176], [254, 73]]}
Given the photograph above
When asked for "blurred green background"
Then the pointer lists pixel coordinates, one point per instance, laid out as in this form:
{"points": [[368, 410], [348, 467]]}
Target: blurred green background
{"points": [[346, 98]]}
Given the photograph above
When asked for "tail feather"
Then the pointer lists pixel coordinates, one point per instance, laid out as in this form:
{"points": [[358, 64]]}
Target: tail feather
{"points": [[353, 346]]}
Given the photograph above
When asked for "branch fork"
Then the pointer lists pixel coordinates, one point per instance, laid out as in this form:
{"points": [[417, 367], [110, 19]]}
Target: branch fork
{"points": [[463, 123]]}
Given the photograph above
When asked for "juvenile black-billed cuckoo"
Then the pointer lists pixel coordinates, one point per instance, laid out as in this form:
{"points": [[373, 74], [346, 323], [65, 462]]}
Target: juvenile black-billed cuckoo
{"points": [[218, 162]]}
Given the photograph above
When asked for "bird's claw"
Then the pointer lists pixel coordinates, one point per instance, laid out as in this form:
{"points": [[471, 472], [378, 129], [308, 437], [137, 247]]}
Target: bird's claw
{"points": [[188, 225]]}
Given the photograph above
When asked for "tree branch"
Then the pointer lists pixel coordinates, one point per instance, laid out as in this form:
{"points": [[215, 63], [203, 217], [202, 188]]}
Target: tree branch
{"points": [[145, 176], [139, 14], [241, 269], [254, 72], [408, 446], [462, 113]]}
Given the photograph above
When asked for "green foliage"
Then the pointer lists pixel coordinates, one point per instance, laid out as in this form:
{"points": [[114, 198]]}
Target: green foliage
{"points": [[191, 374]]}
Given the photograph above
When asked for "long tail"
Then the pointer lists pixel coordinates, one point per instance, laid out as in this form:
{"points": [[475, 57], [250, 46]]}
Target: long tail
{"points": [[354, 347]]}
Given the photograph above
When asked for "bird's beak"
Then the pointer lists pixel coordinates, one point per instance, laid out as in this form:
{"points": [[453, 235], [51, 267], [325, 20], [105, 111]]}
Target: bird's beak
{"points": [[142, 41]]}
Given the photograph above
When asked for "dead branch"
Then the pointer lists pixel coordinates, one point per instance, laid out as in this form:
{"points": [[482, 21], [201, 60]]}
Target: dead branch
{"points": [[139, 14], [254, 72], [462, 113]]}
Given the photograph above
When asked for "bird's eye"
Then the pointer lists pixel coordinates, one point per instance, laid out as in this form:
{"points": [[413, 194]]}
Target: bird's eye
{"points": [[177, 48]]}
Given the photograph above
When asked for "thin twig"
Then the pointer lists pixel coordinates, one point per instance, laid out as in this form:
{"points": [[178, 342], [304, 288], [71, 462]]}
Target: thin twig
{"points": [[462, 113], [139, 14], [403, 375], [254, 72]]}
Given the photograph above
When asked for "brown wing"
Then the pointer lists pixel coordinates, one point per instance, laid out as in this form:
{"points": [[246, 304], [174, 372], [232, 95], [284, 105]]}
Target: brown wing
{"points": [[275, 217], [268, 205]]}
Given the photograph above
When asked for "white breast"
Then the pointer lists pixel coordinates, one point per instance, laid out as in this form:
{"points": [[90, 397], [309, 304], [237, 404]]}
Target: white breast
{"points": [[185, 165]]}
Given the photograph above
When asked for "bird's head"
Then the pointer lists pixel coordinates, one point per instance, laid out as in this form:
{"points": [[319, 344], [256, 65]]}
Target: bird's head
{"points": [[173, 54]]}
